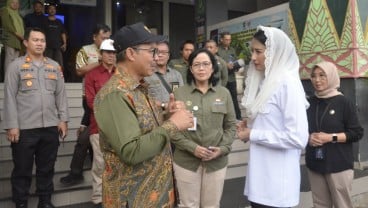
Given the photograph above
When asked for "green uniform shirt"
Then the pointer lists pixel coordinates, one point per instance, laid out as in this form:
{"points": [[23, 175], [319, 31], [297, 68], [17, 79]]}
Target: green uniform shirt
{"points": [[216, 126], [222, 74], [181, 66], [229, 55]]}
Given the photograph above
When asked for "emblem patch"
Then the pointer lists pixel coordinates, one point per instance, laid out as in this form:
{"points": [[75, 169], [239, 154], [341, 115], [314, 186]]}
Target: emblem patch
{"points": [[28, 76], [29, 83]]}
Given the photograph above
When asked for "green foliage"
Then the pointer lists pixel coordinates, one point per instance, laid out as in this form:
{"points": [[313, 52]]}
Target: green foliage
{"points": [[242, 48]]}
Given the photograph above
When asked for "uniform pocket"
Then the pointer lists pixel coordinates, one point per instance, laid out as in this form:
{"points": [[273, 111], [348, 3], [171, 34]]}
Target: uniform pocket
{"points": [[219, 108], [50, 81], [28, 81]]}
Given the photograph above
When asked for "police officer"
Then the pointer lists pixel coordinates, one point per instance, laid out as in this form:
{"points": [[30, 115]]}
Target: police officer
{"points": [[35, 116]]}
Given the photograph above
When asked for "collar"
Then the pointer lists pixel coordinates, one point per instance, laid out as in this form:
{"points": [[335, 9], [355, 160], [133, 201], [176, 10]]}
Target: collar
{"points": [[193, 88], [167, 70], [92, 47], [102, 69], [128, 82], [28, 59], [28, 62], [183, 61], [223, 47]]}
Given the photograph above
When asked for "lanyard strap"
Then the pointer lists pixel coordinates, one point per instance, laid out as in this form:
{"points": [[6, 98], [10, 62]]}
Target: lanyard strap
{"points": [[319, 121], [163, 81]]}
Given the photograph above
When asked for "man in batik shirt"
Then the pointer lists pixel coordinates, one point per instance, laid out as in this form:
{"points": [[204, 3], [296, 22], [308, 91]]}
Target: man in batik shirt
{"points": [[134, 139]]}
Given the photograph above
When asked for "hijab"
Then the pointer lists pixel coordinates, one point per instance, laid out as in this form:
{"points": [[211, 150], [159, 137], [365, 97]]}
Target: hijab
{"points": [[17, 19], [281, 63], [333, 80]]}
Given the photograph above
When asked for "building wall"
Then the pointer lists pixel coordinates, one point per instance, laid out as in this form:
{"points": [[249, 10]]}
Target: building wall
{"points": [[181, 26]]}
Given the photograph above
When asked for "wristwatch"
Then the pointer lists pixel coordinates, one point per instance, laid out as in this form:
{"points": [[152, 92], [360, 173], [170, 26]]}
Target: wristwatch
{"points": [[334, 138], [163, 106]]}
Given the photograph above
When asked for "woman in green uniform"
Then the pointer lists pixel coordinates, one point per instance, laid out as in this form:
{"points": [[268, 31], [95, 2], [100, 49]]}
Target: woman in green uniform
{"points": [[201, 154]]}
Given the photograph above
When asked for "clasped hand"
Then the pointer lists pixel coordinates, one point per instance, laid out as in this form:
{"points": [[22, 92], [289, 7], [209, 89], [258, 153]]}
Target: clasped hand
{"points": [[242, 131], [207, 154], [318, 138]]}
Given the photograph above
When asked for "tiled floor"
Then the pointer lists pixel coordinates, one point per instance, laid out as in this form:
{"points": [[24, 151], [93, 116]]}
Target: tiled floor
{"points": [[233, 191], [83, 205]]}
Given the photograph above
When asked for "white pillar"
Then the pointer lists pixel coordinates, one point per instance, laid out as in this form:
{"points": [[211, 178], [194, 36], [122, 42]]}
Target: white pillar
{"points": [[165, 17]]}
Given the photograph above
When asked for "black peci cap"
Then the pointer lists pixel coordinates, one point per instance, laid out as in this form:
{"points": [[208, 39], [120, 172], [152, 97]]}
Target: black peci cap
{"points": [[135, 34]]}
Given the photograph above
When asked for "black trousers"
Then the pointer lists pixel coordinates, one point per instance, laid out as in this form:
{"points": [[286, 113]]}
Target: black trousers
{"points": [[39, 146], [231, 86], [81, 150], [255, 205], [83, 146]]}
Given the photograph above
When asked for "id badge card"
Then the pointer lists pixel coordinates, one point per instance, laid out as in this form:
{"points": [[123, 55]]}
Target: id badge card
{"points": [[194, 127], [174, 85]]}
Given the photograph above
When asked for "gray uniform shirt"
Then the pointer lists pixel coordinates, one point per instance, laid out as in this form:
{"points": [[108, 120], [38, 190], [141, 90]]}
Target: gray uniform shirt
{"points": [[34, 95], [157, 89]]}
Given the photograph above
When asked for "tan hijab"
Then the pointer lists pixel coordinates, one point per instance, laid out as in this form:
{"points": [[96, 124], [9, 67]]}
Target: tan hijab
{"points": [[333, 80]]}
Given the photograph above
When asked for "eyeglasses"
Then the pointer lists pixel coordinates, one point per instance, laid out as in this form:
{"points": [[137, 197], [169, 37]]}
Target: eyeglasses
{"points": [[153, 51], [162, 52], [203, 64]]}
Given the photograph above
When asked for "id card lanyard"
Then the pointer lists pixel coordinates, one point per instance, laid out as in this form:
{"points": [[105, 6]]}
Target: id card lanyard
{"points": [[320, 119]]}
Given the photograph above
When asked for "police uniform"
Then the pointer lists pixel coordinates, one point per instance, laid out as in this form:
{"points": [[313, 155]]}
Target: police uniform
{"points": [[35, 103]]}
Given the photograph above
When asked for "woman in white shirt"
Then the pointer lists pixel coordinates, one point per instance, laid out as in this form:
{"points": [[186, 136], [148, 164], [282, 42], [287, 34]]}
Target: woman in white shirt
{"points": [[276, 121]]}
